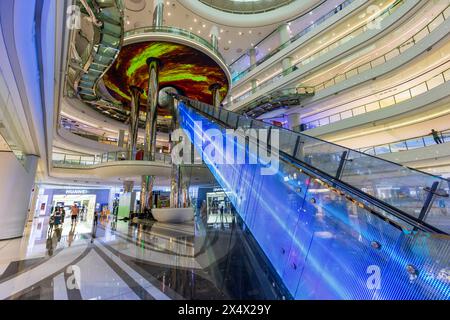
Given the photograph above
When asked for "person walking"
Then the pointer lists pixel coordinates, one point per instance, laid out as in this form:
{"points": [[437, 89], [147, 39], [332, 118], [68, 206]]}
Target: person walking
{"points": [[51, 223], [74, 213], [436, 137], [58, 218], [63, 214], [95, 217]]}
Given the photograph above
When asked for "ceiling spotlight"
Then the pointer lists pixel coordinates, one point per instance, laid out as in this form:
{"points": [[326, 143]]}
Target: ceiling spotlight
{"points": [[240, 33], [229, 41], [204, 25], [221, 30], [169, 14], [195, 19], [199, 31]]}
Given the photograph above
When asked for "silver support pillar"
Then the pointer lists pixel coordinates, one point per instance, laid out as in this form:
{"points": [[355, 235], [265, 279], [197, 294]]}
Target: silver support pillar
{"points": [[152, 102], [134, 121], [284, 33], [215, 91], [121, 138], [128, 186], [254, 83], [146, 198], [294, 121], [179, 189], [214, 35], [252, 56], [158, 13]]}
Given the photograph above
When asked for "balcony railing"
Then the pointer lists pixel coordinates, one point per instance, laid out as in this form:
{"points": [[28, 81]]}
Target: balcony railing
{"points": [[394, 99], [88, 135], [309, 58], [71, 160], [246, 7], [298, 35], [177, 32], [407, 44], [408, 144]]}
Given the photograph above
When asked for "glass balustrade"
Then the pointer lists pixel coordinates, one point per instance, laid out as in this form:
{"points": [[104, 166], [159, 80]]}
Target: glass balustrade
{"points": [[388, 101], [391, 184], [309, 58], [65, 160], [239, 74], [408, 144], [405, 45], [178, 32]]}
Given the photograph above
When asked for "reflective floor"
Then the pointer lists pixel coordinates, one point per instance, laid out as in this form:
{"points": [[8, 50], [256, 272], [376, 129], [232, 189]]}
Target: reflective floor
{"points": [[209, 258]]}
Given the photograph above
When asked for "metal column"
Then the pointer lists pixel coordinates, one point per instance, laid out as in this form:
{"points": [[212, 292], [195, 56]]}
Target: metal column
{"points": [[158, 13], [128, 186], [146, 198], [134, 121], [179, 189], [215, 91], [152, 102]]}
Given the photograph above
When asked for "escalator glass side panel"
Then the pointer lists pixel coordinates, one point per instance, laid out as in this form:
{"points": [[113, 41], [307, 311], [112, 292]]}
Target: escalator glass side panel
{"points": [[396, 190], [322, 244]]}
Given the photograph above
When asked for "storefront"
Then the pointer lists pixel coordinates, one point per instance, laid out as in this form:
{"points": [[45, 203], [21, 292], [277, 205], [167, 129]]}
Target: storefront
{"points": [[215, 205], [87, 199]]}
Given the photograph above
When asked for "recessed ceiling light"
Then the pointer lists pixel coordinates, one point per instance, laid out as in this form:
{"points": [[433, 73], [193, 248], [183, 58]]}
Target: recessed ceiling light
{"points": [[221, 30], [229, 41], [195, 19], [190, 28], [199, 31], [204, 25], [240, 33], [169, 14], [250, 31]]}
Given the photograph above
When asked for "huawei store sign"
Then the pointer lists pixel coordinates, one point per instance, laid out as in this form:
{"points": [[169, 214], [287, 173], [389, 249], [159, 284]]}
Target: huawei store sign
{"points": [[81, 191]]}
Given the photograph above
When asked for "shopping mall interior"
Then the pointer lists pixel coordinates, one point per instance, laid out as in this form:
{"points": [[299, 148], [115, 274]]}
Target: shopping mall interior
{"points": [[225, 150]]}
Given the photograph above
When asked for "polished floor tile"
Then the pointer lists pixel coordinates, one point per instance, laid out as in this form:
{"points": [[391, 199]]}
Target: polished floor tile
{"points": [[117, 260]]}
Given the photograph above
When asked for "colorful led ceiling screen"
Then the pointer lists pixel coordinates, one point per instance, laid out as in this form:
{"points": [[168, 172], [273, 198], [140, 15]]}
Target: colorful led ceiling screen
{"points": [[187, 69]]}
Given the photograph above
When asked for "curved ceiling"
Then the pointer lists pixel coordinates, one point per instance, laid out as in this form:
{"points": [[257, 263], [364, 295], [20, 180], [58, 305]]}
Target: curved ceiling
{"points": [[288, 11], [188, 70], [246, 6]]}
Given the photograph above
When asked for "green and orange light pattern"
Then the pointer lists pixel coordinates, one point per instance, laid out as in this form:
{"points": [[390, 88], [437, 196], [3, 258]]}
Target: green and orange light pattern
{"points": [[184, 68]]}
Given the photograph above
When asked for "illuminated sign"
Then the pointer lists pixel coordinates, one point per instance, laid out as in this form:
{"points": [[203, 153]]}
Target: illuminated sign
{"points": [[81, 191]]}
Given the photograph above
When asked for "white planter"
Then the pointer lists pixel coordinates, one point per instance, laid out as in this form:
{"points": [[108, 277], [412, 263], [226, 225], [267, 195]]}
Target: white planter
{"points": [[173, 215]]}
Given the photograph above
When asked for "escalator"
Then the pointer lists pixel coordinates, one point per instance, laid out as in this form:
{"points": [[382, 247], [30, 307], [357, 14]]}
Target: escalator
{"points": [[333, 222]]}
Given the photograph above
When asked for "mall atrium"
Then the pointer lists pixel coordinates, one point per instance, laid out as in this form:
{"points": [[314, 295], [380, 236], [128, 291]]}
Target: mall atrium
{"points": [[225, 149]]}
